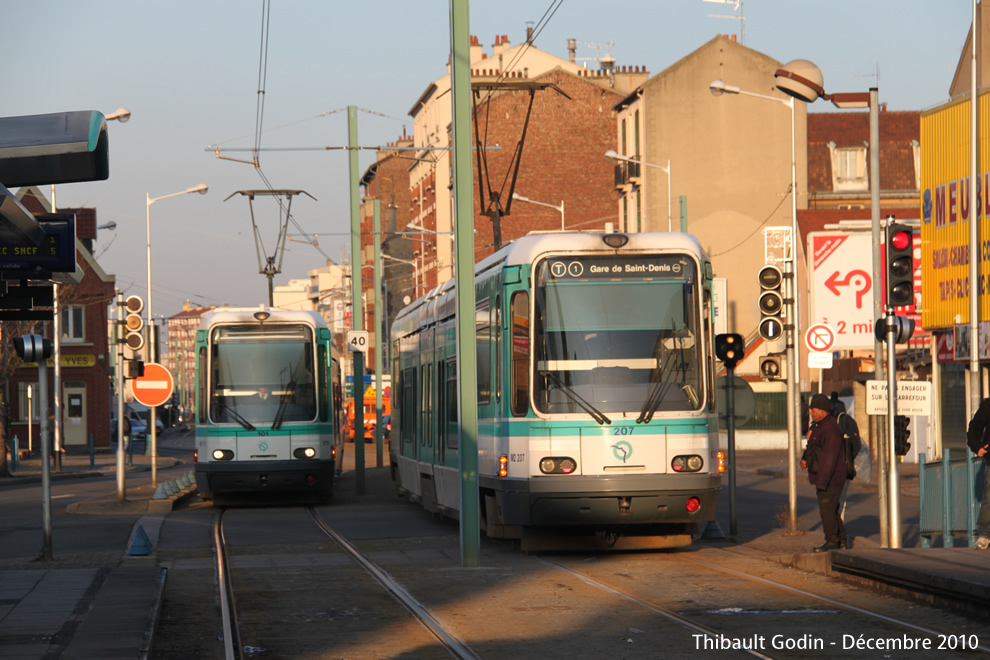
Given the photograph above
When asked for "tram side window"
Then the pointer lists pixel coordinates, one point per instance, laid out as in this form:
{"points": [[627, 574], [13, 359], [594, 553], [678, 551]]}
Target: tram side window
{"points": [[323, 383], [451, 402], [483, 332], [408, 419], [519, 370], [201, 386]]}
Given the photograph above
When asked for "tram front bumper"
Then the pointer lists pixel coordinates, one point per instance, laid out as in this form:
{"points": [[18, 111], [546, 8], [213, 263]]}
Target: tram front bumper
{"points": [[265, 476], [607, 502]]}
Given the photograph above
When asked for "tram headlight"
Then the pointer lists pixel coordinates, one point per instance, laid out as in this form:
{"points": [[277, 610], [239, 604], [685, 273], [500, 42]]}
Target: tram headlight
{"points": [[304, 452], [691, 463], [222, 455], [558, 465]]}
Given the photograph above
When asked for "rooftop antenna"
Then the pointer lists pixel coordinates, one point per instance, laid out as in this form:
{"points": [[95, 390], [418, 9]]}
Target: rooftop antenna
{"points": [[737, 5], [598, 46], [272, 264]]}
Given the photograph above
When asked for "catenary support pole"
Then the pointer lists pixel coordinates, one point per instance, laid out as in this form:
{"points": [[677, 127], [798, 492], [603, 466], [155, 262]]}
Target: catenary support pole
{"points": [[460, 61], [380, 337], [357, 309]]}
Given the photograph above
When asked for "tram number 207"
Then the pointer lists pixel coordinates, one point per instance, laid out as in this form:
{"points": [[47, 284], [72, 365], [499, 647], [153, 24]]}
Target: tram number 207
{"points": [[623, 430]]}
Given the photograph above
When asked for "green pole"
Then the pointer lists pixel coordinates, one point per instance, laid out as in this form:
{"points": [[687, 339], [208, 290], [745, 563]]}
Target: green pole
{"points": [[464, 278], [684, 213], [380, 337], [357, 313]]}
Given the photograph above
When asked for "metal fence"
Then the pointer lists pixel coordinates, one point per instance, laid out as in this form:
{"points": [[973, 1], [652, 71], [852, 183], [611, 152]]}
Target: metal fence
{"points": [[770, 412], [949, 497]]}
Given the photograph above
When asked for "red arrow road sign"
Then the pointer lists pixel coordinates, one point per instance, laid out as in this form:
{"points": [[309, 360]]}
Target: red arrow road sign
{"points": [[819, 338], [155, 387]]}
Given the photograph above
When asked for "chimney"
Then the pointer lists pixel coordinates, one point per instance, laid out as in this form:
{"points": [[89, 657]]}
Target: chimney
{"points": [[529, 32], [476, 54], [501, 45], [572, 50]]}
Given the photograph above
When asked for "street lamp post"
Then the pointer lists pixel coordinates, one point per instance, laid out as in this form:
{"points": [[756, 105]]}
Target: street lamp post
{"points": [[717, 88], [612, 154], [152, 334], [520, 198], [803, 80]]}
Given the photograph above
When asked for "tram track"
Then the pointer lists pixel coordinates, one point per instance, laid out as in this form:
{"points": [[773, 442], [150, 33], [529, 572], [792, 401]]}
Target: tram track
{"points": [[883, 626], [237, 639]]}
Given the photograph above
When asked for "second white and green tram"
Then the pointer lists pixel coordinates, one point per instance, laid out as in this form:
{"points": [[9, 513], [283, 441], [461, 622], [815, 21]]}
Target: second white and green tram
{"points": [[595, 392], [268, 403]]}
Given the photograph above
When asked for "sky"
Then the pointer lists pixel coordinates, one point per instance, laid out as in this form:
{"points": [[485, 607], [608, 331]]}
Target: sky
{"points": [[190, 73]]}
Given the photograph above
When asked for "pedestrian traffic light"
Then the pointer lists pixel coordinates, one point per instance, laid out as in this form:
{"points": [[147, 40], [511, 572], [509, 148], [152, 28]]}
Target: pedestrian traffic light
{"points": [[901, 435], [33, 348], [772, 367], [134, 323], [729, 348], [900, 265], [771, 303], [903, 329]]}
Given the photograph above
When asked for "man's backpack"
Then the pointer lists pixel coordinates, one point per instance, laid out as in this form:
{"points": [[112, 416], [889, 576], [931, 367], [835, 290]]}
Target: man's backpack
{"points": [[852, 443]]}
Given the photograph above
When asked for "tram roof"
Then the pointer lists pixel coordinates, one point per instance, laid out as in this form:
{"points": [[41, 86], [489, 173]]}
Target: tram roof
{"points": [[247, 315], [527, 249]]}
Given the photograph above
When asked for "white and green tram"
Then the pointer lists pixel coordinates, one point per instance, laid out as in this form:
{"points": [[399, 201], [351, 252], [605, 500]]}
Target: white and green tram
{"points": [[268, 403], [595, 392]]}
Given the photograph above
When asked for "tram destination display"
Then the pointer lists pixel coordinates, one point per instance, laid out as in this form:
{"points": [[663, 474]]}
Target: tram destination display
{"points": [[563, 268]]}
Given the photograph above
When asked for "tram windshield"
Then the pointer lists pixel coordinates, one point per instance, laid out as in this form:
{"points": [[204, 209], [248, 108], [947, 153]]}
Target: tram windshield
{"points": [[262, 376], [617, 334]]}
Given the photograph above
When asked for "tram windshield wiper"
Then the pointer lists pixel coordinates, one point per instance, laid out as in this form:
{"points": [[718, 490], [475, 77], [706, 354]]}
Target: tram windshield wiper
{"points": [[230, 412], [596, 414], [657, 391], [283, 404]]}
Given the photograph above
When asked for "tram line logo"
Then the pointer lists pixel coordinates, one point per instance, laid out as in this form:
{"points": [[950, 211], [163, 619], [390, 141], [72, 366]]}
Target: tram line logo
{"points": [[262, 446], [622, 450]]}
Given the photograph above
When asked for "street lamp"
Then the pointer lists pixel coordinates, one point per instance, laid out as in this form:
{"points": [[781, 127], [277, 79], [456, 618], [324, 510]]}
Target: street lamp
{"points": [[717, 88], [803, 80], [516, 196], [123, 115], [152, 335], [612, 154]]}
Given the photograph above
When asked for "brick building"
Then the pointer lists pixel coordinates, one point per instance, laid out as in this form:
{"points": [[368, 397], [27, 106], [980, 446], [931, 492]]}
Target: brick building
{"points": [[86, 360]]}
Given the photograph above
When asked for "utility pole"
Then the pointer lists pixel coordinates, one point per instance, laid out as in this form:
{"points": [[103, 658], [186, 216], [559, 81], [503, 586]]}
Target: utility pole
{"points": [[460, 69], [357, 310]]}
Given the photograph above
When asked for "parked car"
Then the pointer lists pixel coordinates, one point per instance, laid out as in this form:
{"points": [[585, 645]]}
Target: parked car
{"points": [[138, 428], [142, 418]]}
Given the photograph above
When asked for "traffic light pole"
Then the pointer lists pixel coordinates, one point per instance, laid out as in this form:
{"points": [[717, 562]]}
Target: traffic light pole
{"points": [[893, 494], [119, 369], [730, 428]]}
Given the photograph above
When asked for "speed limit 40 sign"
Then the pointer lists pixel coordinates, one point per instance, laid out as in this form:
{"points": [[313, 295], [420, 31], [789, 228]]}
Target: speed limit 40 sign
{"points": [[357, 340]]}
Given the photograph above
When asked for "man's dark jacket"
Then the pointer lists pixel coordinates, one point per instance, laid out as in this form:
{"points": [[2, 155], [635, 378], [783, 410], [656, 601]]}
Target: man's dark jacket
{"points": [[827, 435]]}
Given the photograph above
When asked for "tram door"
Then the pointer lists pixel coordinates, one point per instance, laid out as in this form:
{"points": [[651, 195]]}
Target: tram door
{"points": [[74, 420]]}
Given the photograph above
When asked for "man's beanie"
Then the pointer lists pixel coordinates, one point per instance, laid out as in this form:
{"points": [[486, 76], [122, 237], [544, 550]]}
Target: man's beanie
{"points": [[821, 402]]}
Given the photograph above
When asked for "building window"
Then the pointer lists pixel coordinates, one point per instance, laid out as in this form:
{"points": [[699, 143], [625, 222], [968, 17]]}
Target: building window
{"points": [[848, 168], [22, 402], [73, 326]]}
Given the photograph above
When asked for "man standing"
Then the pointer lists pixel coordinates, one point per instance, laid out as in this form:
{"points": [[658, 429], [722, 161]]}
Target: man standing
{"points": [[976, 438], [825, 460]]}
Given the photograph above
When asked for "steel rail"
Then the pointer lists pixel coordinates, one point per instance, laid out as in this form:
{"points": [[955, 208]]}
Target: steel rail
{"points": [[456, 647]]}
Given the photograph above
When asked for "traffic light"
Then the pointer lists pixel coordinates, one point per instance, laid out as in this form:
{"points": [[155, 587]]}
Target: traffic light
{"points": [[901, 435], [900, 265], [771, 303], [134, 323], [772, 367], [729, 348], [33, 348], [903, 329]]}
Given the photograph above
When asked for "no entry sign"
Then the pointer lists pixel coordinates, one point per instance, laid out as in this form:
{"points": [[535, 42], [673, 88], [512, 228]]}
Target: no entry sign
{"points": [[155, 387]]}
